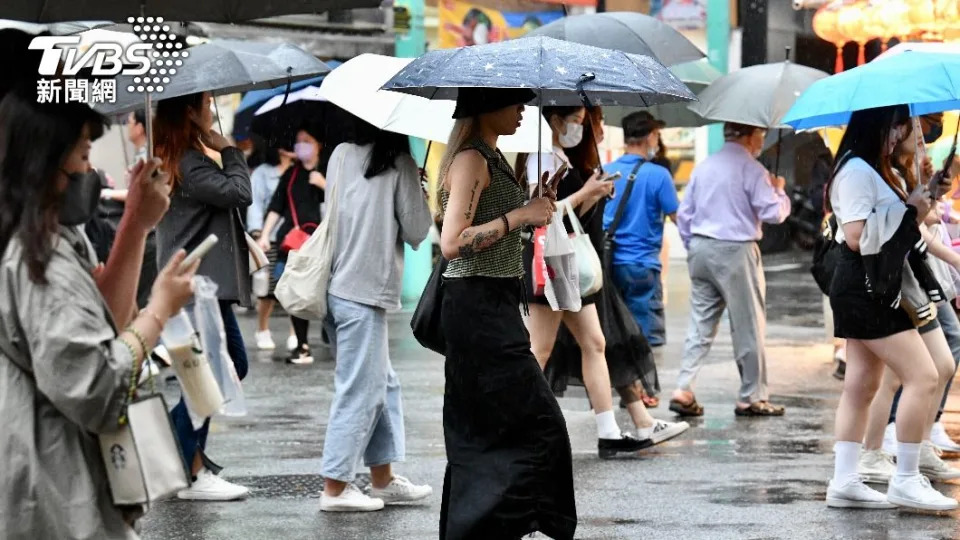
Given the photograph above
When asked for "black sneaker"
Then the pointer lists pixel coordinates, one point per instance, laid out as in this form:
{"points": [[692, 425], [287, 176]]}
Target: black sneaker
{"points": [[300, 356], [608, 448]]}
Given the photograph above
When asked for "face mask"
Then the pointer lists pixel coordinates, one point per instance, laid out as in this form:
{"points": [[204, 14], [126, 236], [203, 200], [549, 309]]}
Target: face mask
{"points": [[935, 132], [651, 153], [573, 136], [80, 198], [305, 151]]}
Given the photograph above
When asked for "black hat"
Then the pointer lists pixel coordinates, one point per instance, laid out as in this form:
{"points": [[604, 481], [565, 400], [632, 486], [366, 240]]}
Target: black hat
{"points": [[640, 124], [474, 101]]}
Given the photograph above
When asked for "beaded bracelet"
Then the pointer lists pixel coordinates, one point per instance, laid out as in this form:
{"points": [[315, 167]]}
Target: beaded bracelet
{"points": [[133, 379], [143, 342]]}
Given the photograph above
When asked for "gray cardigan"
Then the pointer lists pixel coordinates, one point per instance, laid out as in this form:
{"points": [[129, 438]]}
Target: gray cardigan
{"points": [[208, 201]]}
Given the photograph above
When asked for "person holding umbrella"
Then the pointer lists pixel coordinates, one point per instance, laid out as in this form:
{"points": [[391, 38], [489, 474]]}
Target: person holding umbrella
{"points": [[206, 200], [729, 196], [509, 469]]}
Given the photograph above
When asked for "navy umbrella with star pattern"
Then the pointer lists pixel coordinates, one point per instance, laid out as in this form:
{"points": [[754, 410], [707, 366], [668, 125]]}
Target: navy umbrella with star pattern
{"points": [[560, 72]]}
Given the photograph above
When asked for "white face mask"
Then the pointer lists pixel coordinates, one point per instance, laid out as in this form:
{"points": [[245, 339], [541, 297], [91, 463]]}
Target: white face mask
{"points": [[573, 135]]}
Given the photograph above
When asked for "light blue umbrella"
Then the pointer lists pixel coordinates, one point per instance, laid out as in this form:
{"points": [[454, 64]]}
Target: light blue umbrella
{"points": [[927, 82]]}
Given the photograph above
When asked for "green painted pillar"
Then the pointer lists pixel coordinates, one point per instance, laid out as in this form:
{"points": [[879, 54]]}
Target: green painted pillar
{"points": [[411, 41], [718, 52]]}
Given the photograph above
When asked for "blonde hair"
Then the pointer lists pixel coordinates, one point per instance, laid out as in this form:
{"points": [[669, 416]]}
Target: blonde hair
{"points": [[464, 131]]}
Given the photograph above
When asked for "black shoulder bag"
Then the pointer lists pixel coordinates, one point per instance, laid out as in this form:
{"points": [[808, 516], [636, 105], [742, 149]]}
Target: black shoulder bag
{"points": [[826, 251]]}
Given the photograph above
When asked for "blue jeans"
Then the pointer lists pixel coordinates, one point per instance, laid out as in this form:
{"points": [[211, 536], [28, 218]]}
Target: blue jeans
{"points": [[366, 415], [642, 290], [193, 440], [951, 330]]}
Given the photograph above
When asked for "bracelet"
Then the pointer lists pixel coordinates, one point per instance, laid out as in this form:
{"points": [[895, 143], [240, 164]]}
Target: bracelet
{"points": [[506, 224], [156, 318], [134, 376], [143, 342]]}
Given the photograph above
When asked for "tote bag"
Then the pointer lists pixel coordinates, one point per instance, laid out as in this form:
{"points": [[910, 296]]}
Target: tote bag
{"points": [[302, 289], [588, 262], [563, 279]]}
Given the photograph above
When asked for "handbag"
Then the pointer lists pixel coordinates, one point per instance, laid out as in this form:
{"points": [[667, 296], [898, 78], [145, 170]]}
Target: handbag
{"points": [[588, 262], [298, 235], [426, 322], [826, 250], [142, 457], [302, 288], [563, 279], [257, 259]]}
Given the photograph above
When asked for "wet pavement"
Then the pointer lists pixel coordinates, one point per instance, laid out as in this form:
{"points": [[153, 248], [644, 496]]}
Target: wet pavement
{"points": [[725, 478]]}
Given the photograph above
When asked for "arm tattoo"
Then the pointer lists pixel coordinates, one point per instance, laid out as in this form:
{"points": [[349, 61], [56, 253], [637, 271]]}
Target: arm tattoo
{"points": [[479, 242], [473, 193]]}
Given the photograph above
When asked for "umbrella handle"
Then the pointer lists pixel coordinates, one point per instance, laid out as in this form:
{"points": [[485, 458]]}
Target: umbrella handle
{"points": [[586, 77]]}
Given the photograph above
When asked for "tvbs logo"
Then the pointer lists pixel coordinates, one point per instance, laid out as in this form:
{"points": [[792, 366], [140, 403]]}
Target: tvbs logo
{"points": [[103, 59]]}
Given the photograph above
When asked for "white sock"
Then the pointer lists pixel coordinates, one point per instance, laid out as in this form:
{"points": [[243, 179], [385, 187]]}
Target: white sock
{"points": [[845, 461], [908, 459], [607, 427]]}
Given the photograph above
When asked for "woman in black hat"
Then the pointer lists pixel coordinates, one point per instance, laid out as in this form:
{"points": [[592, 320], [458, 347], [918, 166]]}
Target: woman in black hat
{"points": [[509, 468]]}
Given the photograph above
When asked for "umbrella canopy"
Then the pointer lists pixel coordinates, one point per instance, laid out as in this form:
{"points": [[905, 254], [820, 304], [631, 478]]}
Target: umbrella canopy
{"points": [[66, 28], [224, 67], [927, 82], [697, 76], [624, 31], [556, 70], [757, 95], [922, 46], [225, 11], [355, 87]]}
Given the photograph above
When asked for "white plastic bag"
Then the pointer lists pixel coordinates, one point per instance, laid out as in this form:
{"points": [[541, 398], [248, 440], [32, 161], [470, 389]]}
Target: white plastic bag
{"points": [[588, 262], [213, 338], [302, 289], [563, 279]]}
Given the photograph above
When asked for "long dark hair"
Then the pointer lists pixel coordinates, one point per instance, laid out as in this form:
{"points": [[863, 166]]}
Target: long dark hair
{"points": [[35, 140], [866, 138], [586, 160], [387, 147], [174, 132]]}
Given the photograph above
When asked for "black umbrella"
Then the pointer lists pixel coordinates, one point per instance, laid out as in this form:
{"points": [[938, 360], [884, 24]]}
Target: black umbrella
{"points": [[223, 11], [560, 72], [624, 31]]}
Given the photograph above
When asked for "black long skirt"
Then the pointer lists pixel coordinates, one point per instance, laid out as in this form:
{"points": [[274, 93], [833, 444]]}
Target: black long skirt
{"points": [[509, 469]]}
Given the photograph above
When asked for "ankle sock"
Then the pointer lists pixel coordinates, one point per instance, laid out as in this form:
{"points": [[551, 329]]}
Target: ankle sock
{"points": [[908, 459], [845, 461], [607, 427]]}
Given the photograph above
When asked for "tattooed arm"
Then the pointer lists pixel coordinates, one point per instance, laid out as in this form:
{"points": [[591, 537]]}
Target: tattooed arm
{"points": [[465, 181]]}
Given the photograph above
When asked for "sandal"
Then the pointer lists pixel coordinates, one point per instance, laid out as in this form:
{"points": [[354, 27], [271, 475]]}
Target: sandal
{"points": [[760, 408], [686, 409]]}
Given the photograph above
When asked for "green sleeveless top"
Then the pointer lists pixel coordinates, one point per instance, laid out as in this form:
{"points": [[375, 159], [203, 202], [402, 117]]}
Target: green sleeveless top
{"points": [[503, 259]]}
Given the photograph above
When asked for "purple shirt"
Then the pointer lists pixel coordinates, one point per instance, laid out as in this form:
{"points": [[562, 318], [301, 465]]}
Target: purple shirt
{"points": [[728, 197]]}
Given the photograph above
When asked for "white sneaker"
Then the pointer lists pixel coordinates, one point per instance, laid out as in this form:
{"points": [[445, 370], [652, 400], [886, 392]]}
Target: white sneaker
{"points": [[933, 467], [350, 500], [940, 438], [855, 494], [915, 492], [401, 490], [890, 439], [265, 341], [876, 467], [662, 431], [210, 487], [292, 343]]}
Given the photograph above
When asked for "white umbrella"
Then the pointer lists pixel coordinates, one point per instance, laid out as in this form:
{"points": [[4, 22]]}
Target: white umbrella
{"points": [[355, 87], [309, 93]]}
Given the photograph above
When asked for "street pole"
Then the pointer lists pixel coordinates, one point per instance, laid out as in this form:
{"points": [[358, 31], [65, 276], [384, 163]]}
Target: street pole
{"points": [[718, 49], [411, 42]]}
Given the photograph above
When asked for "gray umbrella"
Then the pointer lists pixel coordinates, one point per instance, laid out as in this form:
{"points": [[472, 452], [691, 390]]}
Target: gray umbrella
{"points": [[560, 72], [220, 67], [225, 11], [625, 31], [757, 95]]}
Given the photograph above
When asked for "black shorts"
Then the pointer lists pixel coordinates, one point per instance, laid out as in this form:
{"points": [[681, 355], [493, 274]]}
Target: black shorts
{"points": [[855, 314]]}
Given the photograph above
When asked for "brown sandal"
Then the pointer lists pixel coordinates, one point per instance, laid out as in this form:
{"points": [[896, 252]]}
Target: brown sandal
{"points": [[760, 408], [686, 409]]}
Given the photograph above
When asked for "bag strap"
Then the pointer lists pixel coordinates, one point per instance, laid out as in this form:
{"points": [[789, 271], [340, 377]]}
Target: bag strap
{"points": [[293, 208], [623, 201], [574, 220]]}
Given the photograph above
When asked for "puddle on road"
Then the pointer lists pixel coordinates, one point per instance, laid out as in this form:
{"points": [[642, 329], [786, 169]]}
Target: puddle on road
{"points": [[749, 494]]}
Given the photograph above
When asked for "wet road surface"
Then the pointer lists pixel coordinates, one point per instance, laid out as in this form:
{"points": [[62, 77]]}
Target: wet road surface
{"points": [[725, 478]]}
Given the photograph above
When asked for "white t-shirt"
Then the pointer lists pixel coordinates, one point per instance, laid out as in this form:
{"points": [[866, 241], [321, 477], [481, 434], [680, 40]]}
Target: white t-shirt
{"points": [[856, 191], [549, 163]]}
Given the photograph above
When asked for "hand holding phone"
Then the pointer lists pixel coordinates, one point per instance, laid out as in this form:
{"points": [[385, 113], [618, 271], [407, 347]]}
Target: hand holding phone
{"points": [[612, 177], [199, 251]]}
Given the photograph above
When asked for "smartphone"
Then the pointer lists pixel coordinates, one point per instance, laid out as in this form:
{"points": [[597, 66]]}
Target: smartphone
{"points": [[557, 176], [199, 251], [612, 177]]}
